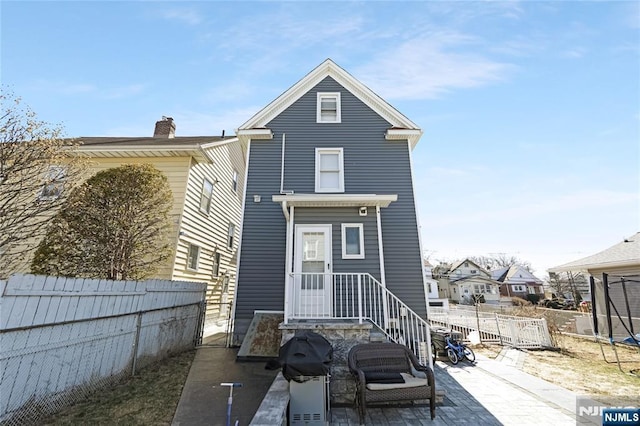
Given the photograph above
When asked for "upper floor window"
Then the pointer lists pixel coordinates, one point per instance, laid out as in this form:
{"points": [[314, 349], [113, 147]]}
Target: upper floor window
{"points": [[230, 235], [193, 255], [329, 170], [215, 268], [206, 195], [352, 241], [54, 182], [328, 108], [234, 181]]}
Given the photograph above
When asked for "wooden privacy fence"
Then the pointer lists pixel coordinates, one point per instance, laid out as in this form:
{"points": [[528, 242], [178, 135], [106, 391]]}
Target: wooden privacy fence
{"points": [[63, 338], [519, 332]]}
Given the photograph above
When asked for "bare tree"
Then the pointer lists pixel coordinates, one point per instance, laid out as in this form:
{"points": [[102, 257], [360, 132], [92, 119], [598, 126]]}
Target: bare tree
{"points": [[565, 283], [116, 226], [500, 260], [37, 169]]}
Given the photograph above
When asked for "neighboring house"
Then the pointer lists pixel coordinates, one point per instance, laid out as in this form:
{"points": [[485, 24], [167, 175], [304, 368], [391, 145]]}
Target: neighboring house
{"points": [[206, 175], [615, 289], [329, 206], [516, 281], [469, 282], [432, 288]]}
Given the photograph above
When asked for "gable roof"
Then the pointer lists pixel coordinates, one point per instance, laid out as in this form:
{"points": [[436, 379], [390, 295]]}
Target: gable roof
{"points": [[401, 126], [515, 274], [475, 279], [457, 264], [624, 254]]}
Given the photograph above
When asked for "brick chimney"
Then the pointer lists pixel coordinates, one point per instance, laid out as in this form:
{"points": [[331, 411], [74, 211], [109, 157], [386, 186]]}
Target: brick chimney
{"points": [[165, 128]]}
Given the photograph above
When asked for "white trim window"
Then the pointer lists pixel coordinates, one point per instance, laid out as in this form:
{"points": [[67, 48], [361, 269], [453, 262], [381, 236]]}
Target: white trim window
{"points": [[215, 267], [205, 196], [230, 235], [328, 108], [352, 241], [234, 181], [329, 170], [519, 288], [54, 183], [193, 256]]}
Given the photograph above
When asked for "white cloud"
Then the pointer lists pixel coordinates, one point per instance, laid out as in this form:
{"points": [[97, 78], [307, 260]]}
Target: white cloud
{"points": [[426, 67]]}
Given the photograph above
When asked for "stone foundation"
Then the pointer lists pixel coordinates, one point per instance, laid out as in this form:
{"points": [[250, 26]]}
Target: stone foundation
{"points": [[343, 335]]}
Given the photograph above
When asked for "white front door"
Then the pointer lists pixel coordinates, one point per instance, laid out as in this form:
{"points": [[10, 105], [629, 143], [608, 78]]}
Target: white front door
{"points": [[312, 271]]}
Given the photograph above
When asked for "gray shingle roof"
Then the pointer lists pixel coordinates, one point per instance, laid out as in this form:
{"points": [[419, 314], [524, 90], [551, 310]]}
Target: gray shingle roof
{"points": [[625, 253]]}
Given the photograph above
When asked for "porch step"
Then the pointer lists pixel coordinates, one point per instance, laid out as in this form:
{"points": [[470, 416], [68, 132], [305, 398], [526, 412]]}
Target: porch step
{"points": [[376, 335]]}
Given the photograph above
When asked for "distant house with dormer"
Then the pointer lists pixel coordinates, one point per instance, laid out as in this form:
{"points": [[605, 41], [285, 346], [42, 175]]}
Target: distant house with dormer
{"points": [[465, 281]]}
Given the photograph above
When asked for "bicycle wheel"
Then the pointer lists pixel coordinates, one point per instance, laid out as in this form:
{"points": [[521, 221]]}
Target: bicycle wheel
{"points": [[453, 357], [469, 355]]}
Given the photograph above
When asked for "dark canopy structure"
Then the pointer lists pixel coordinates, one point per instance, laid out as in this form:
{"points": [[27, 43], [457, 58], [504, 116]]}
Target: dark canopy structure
{"points": [[615, 290]]}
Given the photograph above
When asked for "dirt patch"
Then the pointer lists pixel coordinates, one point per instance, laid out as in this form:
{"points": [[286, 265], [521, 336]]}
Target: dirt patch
{"points": [[151, 397], [579, 366]]}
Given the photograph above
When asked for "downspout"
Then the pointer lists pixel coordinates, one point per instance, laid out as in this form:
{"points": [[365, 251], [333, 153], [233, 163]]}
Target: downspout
{"points": [[288, 268], [383, 279], [282, 191], [380, 251]]}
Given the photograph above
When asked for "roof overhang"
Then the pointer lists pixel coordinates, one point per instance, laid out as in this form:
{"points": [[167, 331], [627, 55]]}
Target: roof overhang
{"points": [[253, 134], [604, 266], [412, 135], [336, 200], [144, 151]]}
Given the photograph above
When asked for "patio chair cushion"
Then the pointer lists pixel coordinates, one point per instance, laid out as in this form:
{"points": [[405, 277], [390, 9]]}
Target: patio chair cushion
{"points": [[383, 377], [408, 382]]}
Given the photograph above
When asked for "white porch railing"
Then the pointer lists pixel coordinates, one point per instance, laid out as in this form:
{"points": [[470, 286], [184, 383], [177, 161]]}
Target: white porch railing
{"points": [[518, 332], [357, 296]]}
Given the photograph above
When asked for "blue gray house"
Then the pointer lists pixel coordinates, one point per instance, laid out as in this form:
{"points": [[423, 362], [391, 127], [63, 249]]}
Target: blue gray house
{"points": [[330, 229]]}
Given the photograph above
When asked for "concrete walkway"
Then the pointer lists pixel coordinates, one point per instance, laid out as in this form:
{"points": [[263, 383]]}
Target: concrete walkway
{"points": [[486, 393]]}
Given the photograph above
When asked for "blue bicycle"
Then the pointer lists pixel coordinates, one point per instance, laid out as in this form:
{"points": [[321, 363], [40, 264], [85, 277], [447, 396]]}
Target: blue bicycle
{"points": [[456, 351]]}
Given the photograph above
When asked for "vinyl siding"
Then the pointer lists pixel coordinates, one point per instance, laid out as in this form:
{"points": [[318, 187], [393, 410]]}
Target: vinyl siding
{"points": [[372, 164], [336, 217], [209, 231]]}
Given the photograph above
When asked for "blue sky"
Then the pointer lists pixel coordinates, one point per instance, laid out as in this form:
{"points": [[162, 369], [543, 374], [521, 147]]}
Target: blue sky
{"points": [[530, 110]]}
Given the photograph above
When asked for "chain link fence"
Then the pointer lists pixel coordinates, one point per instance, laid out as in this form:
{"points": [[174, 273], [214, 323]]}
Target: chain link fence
{"points": [[70, 343]]}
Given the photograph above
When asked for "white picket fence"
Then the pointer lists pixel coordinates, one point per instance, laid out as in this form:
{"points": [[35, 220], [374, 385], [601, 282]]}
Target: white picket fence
{"points": [[63, 338], [518, 332]]}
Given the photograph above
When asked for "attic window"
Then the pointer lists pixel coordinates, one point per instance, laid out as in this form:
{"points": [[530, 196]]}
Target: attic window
{"points": [[328, 108]]}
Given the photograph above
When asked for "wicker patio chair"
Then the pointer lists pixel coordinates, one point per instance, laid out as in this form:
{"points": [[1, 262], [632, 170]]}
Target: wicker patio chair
{"points": [[371, 362]]}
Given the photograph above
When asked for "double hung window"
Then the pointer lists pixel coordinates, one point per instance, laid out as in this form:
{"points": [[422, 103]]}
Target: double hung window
{"points": [[230, 235], [329, 170], [54, 183], [328, 108], [206, 196], [193, 255]]}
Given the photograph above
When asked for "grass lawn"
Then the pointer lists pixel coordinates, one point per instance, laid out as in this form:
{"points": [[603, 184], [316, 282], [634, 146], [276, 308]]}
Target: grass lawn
{"points": [[149, 398]]}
